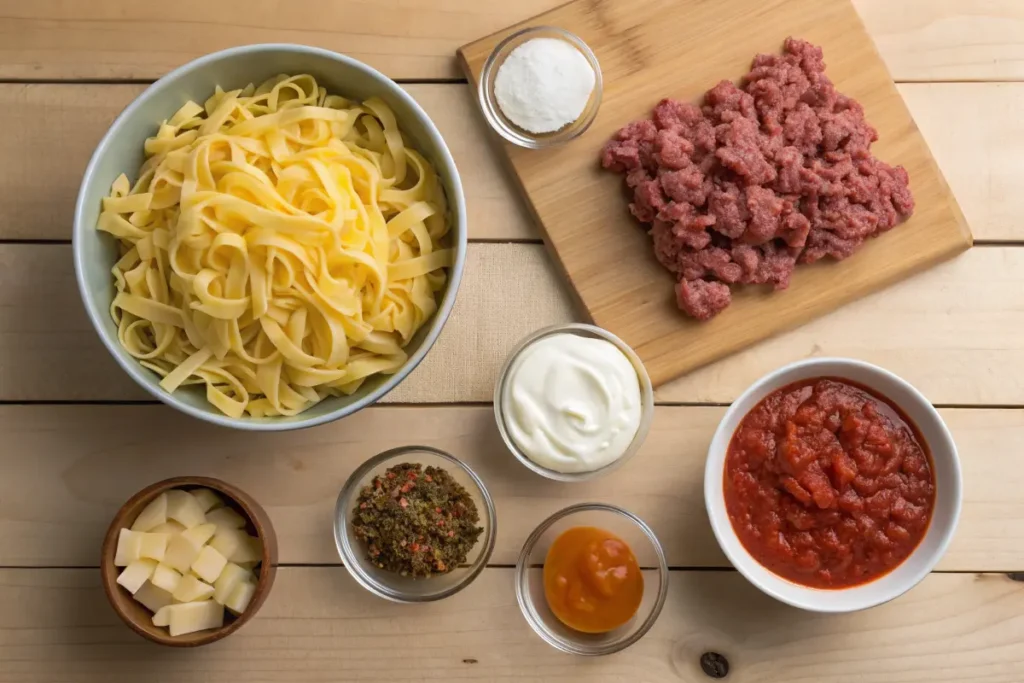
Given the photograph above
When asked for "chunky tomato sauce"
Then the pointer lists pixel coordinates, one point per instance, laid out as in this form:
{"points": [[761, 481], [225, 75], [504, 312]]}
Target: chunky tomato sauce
{"points": [[827, 484]]}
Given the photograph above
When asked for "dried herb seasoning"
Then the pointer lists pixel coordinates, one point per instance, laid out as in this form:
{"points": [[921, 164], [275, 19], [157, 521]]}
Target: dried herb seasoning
{"points": [[416, 522]]}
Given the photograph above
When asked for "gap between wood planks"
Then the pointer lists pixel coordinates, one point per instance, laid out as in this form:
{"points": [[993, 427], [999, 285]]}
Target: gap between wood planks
{"points": [[478, 404]]}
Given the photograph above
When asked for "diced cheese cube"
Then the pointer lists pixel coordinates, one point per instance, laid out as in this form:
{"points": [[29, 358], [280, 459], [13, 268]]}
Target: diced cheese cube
{"points": [[225, 517], [184, 548], [250, 551], [192, 589], [200, 535], [170, 527], [209, 564], [195, 616], [136, 574], [228, 579], [227, 540], [166, 578], [184, 508], [207, 499], [152, 515], [129, 545], [240, 597], [162, 616], [152, 598], [153, 546]]}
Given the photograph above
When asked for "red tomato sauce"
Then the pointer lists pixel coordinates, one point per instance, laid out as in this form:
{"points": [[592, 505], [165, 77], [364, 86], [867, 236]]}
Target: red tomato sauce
{"points": [[828, 484]]}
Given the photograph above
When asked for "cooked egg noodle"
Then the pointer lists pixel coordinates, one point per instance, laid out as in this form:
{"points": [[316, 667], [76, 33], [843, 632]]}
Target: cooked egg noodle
{"points": [[280, 245]]}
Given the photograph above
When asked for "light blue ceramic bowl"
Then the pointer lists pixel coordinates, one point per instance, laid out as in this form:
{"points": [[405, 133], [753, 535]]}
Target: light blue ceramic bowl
{"points": [[121, 151]]}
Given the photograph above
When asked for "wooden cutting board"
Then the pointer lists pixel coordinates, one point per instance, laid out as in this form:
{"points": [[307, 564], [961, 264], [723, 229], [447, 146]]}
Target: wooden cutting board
{"points": [[650, 49]]}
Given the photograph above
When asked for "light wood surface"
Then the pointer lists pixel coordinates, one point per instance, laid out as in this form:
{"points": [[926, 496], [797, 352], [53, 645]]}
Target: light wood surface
{"points": [[96, 457], [318, 625], [651, 49], [915, 328], [972, 128], [59, 125], [954, 331], [113, 39]]}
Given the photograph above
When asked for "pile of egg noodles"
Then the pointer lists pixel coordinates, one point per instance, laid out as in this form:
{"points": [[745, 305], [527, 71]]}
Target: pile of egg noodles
{"points": [[280, 246]]}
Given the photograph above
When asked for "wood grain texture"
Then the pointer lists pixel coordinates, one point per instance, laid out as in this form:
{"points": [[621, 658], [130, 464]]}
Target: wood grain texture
{"points": [[48, 350], [651, 49], [111, 39], [318, 625], [972, 128], [976, 133], [948, 40], [59, 125], [90, 459]]}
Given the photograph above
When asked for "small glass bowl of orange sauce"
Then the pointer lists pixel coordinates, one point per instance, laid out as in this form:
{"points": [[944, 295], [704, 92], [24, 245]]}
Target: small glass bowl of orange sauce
{"points": [[588, 601]]}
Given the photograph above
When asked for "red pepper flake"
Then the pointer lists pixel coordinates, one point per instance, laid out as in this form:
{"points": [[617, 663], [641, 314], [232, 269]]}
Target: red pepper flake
{"points": [[403, 502], [412, 476], [437, 510], [415, 547], [362, 506], [440, 522], [391, 475], [407, 486]]}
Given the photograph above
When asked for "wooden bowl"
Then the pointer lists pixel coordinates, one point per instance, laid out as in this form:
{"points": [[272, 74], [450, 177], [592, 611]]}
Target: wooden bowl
{"points": [[138, 617]]}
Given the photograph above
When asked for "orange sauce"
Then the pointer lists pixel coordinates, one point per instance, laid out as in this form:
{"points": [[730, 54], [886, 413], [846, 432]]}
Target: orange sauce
{"points": [[592, 581]]}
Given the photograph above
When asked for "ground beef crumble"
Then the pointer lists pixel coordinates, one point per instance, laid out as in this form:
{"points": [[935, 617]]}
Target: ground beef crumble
{"points": [[761, 177]]}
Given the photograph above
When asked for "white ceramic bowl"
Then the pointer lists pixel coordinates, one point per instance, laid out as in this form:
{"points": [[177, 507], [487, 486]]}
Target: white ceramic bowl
{"points": [[121, 151], [948, 492]]}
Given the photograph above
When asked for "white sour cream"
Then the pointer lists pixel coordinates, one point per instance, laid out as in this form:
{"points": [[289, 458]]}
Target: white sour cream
{"points": [[572, 403]]}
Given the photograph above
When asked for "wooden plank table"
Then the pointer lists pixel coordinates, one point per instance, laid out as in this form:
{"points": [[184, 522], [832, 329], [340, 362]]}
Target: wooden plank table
{"points": [[79, 437]]}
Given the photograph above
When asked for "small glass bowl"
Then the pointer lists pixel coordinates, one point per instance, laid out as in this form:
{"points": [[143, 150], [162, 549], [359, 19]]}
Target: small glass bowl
{"points": [[530, 578], [393, 586], [502, 388], [501, 123]]}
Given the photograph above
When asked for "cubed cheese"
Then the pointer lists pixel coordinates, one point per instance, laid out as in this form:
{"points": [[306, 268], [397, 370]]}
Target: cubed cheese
{"points": [[209, 564], [225, 517], [195, 616], [249, 551], [191, 589], [239, 599], [153, 598], [152, 515], [136, 574], [163, 616], [184, 548], [207, 499], [170, 527], [227, 540], [229, 578], [153, 546], [129, 545], [166, 578], [183, 508]]}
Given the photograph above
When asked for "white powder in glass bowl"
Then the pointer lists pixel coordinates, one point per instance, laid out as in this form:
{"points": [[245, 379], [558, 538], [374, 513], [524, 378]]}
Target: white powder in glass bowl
{"points": [[544, 85]]}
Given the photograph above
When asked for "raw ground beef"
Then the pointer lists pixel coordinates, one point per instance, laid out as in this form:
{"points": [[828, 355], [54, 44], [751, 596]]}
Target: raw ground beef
{"points": [[761, 177]]}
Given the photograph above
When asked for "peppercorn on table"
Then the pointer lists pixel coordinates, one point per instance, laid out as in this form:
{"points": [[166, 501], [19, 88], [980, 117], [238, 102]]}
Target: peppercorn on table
{"points": [[79, 437]]}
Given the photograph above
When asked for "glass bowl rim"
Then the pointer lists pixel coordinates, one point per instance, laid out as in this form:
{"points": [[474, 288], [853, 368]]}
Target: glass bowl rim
{"points": [[646, 400], [348, 552], [525, 603], [523, 138]]}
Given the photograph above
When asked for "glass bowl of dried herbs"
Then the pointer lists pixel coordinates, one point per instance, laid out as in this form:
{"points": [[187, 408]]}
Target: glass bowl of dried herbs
{"points": [[414, 524]]}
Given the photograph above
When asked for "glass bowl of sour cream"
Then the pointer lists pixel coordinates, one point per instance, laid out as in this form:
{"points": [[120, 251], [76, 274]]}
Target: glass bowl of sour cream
{"points": [[573, 402], [540, 87]]}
